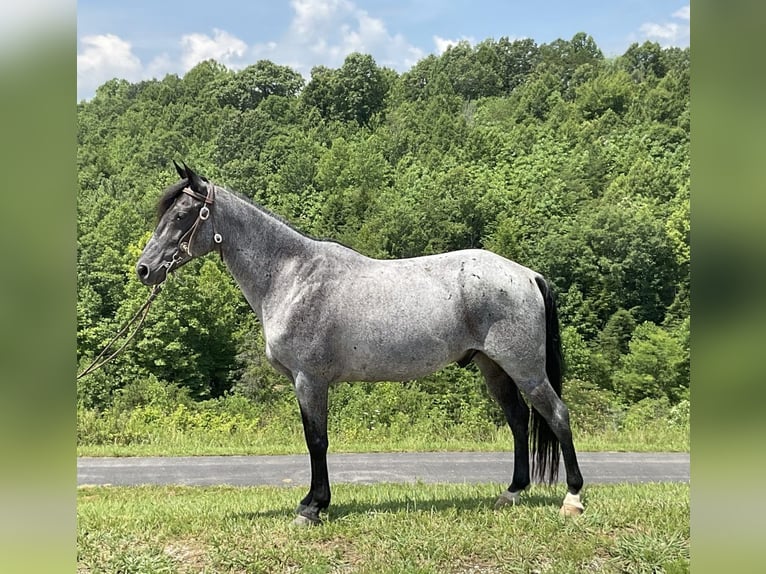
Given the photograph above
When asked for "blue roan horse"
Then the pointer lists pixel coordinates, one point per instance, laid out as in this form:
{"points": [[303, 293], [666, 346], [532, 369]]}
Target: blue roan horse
{"points": [[331, 314]]}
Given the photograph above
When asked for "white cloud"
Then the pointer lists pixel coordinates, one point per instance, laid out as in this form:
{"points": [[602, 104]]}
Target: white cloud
{"points": [[669, 33], [103, 57], [222, 47], [683, 13], [317, 17], [321, 32], [443, 43], [329, 30]]}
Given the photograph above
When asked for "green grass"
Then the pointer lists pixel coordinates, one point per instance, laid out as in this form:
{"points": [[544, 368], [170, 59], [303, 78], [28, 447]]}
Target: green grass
{"points": [[446, 528], [198, 444], [287, 438]]}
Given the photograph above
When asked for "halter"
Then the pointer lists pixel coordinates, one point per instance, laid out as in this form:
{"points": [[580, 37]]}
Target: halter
{"points": [[185, 242]]}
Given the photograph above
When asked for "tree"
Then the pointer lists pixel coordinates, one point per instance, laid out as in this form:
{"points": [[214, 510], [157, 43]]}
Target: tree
{"points": [[354, 92], [616, 335], [351, 176], [516, 61], [653, 367], [605, 91], [562, 58], [245, 89], [472, 73], [191, 337], [644, 62]]}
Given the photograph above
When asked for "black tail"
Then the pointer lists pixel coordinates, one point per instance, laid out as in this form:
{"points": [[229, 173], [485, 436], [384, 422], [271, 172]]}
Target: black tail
{"points": [[543, 444]]}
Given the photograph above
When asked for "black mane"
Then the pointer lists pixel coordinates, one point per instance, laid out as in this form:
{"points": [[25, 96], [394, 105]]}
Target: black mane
{"points": [[171, 193]]}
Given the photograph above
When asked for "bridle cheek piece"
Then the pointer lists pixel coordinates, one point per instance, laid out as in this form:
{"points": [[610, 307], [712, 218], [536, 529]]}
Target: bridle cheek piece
{"points": [[185, 243]]}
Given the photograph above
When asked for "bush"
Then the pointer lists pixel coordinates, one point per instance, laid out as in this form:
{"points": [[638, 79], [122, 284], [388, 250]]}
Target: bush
{"points": [[653, 367], [648, 413], [150, 391], [591, 409], [148, 410]]}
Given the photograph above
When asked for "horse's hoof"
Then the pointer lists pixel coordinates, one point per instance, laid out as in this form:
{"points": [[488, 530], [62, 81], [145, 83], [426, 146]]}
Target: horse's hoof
{"points": [[572, 505], [508, 498], [569, 510], [304, 521]]}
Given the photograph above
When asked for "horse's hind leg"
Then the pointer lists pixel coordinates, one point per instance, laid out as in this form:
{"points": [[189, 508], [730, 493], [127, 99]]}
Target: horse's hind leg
{"points": [[505, 392], [549, 405]]}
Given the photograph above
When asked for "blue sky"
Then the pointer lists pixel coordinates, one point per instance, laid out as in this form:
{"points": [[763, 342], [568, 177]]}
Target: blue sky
{"points": [[142, 39]]}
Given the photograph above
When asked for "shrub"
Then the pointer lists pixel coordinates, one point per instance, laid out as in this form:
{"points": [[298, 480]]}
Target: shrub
{"points": [[653, 367], [591, 409]]}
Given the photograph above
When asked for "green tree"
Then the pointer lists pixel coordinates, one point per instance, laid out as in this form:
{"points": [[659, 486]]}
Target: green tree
{"points": [[644, 62], [516, 61], [245, 89], [472, 73], [354, 92], [653, 367], [616, 335]]}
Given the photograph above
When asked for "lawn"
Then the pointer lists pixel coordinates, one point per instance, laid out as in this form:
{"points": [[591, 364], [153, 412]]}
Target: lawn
{"points": [[441, 528]]}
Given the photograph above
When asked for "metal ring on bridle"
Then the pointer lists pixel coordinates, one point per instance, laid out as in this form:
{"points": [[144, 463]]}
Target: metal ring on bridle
{"points": [[184, 245]]}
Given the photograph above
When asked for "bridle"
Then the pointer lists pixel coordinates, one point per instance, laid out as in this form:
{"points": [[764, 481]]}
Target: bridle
{"points": [[183, 252]]}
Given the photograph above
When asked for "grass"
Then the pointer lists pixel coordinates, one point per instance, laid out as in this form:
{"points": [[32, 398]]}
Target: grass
{"points": [[448, 528], [287, 438], [244, 444]]}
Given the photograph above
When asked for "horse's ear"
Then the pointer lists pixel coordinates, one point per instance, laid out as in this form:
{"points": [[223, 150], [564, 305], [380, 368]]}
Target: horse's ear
{"points": [[180, 170], [195, 182]]}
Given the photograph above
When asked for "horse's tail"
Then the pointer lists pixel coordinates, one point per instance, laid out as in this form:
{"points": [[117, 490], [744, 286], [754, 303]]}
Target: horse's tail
{"points": [[544, 445]]}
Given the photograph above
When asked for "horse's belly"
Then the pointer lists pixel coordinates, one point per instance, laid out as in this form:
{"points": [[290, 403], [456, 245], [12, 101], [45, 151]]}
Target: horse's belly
{"points": [[390, 368], [398, 355]]}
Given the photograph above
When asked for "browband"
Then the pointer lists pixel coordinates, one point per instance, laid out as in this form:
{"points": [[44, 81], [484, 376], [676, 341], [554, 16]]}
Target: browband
{"points": [[206, 198]]}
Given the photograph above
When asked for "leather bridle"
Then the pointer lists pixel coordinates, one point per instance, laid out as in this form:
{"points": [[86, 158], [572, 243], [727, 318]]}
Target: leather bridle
{"points": [[183, 252]]}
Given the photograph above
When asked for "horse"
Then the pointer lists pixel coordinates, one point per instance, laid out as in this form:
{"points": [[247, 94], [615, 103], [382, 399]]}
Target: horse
{"points": [[331, 314]]}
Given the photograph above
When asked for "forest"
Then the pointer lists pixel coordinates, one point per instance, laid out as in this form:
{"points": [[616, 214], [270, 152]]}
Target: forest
{"points": [[553, 155]]}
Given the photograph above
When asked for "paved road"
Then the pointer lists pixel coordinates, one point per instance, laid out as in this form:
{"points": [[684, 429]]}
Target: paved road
{"points": [[368, 468]]}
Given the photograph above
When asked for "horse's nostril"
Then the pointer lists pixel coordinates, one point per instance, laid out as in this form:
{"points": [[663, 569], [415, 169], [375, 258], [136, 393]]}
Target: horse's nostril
{"points": [[143, 271]]}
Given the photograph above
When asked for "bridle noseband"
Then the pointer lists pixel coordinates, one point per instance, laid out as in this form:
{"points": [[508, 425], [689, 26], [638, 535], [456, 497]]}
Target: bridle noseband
{"points": [[184, 250]]}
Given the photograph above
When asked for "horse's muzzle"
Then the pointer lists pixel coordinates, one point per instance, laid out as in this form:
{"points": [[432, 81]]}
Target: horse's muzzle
{"points": [[148, 276]]}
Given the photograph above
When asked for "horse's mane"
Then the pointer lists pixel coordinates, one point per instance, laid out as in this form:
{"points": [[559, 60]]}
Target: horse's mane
{"points": [[284, 221], [170, 194]]}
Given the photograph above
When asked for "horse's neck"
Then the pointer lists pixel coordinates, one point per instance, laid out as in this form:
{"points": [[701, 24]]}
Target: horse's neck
{"points": [[257, 247]]}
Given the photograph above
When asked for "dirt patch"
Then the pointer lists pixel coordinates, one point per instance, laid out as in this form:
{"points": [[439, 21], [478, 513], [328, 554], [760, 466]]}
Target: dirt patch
{"points": [[189, 554]]}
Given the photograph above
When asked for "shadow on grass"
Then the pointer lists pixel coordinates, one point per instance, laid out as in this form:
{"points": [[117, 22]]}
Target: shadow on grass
{"points": [[343, 509]]}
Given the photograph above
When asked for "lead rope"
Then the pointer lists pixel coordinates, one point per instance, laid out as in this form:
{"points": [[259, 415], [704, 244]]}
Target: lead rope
{"points": [[204, 213], [97, 363]]}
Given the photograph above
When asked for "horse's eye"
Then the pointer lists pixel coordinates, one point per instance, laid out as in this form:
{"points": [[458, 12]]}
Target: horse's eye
{"points": [[180, 216]]}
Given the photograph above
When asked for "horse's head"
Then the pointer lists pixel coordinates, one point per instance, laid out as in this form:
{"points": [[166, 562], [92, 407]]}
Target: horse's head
{"points": [[185, 229]]}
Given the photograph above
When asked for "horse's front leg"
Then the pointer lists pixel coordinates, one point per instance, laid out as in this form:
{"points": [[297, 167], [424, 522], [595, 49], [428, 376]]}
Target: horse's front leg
{"points": [[312, 398]]}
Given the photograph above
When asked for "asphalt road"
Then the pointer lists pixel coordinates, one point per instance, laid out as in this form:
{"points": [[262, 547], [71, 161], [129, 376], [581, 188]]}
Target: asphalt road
{"points": [[460, 467]]}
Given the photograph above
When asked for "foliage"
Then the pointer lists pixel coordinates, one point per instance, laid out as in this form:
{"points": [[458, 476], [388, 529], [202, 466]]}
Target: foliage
{"points": [[152, 418], [553, 155]]}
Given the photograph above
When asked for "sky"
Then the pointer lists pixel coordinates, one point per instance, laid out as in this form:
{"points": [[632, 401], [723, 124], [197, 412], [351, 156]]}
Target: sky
{"points": [[143, 39]]}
